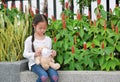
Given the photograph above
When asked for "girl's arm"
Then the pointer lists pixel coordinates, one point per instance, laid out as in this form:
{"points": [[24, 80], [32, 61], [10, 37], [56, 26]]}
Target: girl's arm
{"points": [[28, 53]]}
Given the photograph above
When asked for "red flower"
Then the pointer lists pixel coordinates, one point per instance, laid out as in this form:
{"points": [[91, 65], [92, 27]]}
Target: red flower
{"points": [[63, 16], [93, 45], [53, 18], [73, 49], [75, 39], [85, 46], [36, 11], [3, 1], [116, 29], [98, 2], [66, 5], [102, 45], [55, 39], [91, 22], [105, 25], [78, 16], [94, 23], [64, 24], [31, 12], [5, 6], [113, 27]]}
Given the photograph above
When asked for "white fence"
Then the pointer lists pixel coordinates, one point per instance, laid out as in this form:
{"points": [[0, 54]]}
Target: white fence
{"points": [[58, 9]]}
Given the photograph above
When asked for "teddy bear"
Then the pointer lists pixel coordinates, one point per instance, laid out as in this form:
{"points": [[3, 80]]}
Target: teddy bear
{"points": [[46, 60]]}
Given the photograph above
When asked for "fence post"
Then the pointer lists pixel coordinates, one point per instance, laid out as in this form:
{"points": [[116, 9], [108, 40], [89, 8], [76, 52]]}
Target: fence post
{"points": [[108, 8], [38, 6], [117, 2], [21, 5], [54, 7]]}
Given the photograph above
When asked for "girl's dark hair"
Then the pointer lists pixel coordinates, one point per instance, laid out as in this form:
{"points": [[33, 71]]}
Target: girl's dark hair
{"points": [[38, 18]]}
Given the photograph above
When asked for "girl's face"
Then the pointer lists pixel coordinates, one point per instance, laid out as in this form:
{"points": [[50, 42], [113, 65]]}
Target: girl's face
{"points": [[40, 28]]}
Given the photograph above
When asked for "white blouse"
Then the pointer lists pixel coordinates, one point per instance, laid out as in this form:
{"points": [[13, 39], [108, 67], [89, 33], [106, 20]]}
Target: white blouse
{"points": [[29, 54]]}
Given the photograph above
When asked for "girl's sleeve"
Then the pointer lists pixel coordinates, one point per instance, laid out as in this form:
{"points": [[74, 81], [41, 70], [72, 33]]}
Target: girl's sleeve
{"points": [[50, 43], [28, 50]]}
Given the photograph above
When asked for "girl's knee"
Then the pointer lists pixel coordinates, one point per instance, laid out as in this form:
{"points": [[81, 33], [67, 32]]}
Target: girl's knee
{"points": [[44, 78], [55, 78]]}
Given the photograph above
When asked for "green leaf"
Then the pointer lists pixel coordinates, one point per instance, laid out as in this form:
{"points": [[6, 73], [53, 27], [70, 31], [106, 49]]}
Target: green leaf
{"points": [[118, 47], [110, 40], [90, 63], [81, 33], [60, 59], [78, 66], [96, 42], [79, 57], [101, 60], [103, 13], [109, 50], [104, 66], [72, 65], [67, 61]]}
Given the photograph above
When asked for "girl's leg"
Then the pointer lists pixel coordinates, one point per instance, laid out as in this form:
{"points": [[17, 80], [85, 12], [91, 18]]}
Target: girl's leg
{"points": [[42, 74], [53, 74]]}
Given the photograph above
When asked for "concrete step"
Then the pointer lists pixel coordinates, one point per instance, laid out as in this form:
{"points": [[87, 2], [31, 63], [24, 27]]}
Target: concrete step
{"points": [[77, 76]]}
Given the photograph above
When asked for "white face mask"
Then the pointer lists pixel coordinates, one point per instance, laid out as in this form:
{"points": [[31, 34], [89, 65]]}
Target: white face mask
{"points": [[46, 52]]}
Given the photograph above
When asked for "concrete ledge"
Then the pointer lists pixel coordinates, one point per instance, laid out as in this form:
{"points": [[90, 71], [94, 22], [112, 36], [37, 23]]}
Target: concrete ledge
{"points": [[77, 76], [10, 71]]}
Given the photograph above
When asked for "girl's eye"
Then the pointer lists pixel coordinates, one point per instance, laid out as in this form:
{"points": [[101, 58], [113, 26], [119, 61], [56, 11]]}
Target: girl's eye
{"points": [[42, 28], [39, 27]]}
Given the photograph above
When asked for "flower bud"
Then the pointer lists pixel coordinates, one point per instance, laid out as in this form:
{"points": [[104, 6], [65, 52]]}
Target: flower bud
{"points": [[102, 45], [85, 46], [93, 45], [66, 5], [55, 39], [73, 49], [98, 2]]}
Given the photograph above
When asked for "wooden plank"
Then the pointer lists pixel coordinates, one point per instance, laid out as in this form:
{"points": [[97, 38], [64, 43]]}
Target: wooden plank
{"points": [[112, 4], [41, 6], [85, 11], [93, 6], [17, 3], [76, 8], [33, 5], [9, 4], [25, 4], [50, 8], [58, 9]]}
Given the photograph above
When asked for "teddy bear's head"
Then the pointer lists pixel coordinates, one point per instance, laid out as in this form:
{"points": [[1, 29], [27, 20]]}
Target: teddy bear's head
{"points": [[46, 52]]}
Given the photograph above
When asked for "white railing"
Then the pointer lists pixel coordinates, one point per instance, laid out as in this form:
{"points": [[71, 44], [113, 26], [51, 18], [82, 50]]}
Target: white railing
{"points": [[58, 8]]}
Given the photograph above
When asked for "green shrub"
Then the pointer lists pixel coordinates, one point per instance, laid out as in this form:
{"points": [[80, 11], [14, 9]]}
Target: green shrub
{"points": [[83, 44], [14, 28]]}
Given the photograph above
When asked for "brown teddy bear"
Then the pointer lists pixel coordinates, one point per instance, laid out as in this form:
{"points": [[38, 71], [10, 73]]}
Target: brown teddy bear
{"points": [[46, 60]]}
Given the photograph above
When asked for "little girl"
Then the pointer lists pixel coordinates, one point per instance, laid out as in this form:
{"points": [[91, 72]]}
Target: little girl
{"points": [[33, 42]]}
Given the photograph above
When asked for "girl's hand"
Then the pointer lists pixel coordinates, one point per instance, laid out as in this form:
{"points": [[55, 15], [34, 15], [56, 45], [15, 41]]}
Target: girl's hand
{"points": [[53, 53], [38, 52]]}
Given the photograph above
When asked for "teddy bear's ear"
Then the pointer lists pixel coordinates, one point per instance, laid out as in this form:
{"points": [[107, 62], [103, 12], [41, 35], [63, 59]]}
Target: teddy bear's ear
{"points": [[46, 52]]}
